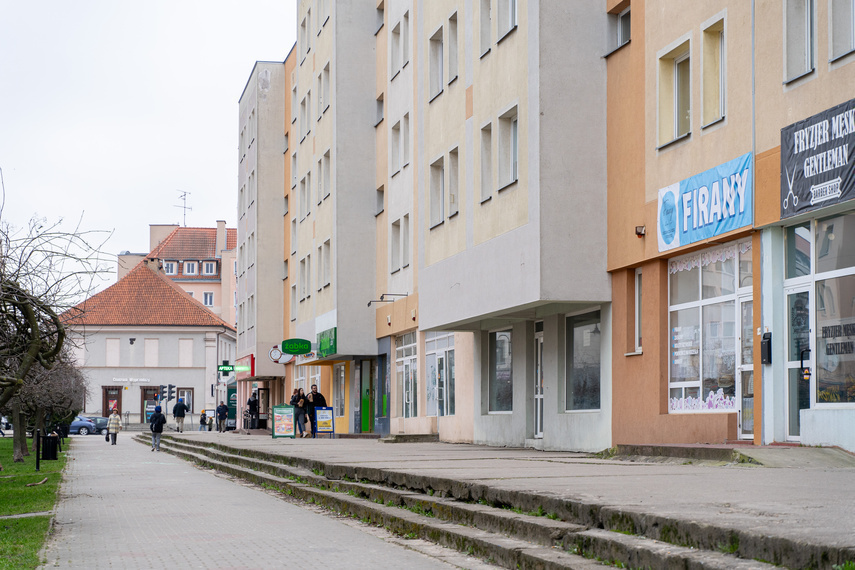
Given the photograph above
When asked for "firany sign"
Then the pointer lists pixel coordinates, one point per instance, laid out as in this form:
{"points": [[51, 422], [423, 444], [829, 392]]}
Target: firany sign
{"points": [[817, 158]]}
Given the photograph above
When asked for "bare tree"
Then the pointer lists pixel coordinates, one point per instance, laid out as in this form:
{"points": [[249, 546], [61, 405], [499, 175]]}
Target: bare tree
{"points": [[44, 271]]}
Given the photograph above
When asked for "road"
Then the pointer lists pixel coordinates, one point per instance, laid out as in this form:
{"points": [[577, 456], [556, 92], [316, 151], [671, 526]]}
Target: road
{"points": [[125, 506]]}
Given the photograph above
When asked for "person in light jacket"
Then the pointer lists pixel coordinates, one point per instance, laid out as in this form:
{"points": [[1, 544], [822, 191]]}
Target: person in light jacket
{"points": [[114, 424]]}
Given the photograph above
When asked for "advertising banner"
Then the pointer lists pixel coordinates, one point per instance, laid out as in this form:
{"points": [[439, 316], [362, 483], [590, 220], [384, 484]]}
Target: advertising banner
{"points": [[817, 157], [707, 204], [324, 418], [283, 421]]}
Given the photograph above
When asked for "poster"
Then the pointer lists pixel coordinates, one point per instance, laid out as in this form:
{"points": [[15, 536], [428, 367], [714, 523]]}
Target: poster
{"points": [[283, 421], [324, 418]]}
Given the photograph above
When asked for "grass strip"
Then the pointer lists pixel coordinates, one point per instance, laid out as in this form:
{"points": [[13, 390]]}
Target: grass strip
{"points": [[21, 540]]}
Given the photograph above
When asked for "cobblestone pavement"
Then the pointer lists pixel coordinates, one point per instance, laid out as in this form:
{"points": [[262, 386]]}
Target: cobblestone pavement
{"points": [[125, 506]]}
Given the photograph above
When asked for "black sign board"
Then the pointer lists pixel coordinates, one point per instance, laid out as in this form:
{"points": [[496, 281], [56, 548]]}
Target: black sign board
{"points": [[818, 161]]}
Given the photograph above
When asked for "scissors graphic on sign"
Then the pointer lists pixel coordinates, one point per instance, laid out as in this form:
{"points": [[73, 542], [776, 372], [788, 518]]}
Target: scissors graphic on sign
{"points": [[790, 181]]}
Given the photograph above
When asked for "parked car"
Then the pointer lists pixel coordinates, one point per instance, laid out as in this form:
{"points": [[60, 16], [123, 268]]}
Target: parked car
{"points": [[4, 423], [100, 424], [83, 426]]}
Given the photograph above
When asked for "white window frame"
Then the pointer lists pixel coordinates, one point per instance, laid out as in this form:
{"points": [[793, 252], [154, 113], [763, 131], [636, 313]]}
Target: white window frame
{"points": [[453, 59], [170, 267], [485, 27], [190, 268], [486, 162], [209, 268], [437, 192], [714, 45], [638, 309], [841, 26], [407, 360], [435, 53], [453, 182], [208, 298], [439, 346], [508, 147], [799, 56]]}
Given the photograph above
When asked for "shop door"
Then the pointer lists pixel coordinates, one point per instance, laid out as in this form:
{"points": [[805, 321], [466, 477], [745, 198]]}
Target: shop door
{"points": [[799, 357], [745, 369], [111, 399], [149, 401], [263, 407], [538, 384], [367, 401]]}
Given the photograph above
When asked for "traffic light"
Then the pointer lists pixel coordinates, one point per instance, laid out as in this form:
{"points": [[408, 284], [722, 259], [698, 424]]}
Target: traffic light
{"points": [[162, 394], [171, 395]]}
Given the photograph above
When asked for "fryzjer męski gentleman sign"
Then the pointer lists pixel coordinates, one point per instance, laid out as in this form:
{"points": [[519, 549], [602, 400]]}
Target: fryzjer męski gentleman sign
{"points": [[817, 158]]}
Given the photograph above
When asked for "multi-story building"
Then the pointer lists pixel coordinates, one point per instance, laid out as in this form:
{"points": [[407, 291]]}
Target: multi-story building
{"points": [[723, 214], [262, 264], [144, 331]]}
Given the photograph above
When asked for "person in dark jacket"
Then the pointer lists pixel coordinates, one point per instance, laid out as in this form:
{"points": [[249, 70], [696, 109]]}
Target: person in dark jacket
{"points": [[252, 406], [298, 400], [178, 412], [203, 421], [315, 399], [156, 423], [222, 416]]}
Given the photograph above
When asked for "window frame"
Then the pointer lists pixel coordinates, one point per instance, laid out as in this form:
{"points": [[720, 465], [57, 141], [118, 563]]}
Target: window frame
{"points": [[190, 268], [492, 369]]}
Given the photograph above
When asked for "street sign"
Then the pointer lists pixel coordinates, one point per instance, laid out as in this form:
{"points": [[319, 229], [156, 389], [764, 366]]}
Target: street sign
{"points": [[296, 346], [225, 368]]}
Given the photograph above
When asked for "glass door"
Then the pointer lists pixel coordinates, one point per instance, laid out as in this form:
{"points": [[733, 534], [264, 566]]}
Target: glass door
{"points": [[538, 385], [745, 369], [799, 357]]}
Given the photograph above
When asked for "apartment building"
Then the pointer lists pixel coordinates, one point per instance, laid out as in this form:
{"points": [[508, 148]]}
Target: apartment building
{"points": [[262, 265], [730, 312]]}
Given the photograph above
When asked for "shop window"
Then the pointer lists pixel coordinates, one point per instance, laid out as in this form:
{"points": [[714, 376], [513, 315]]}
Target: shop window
{"points": [[338, 389], [835, 243], [406, 360], [583, 362], [797, 246], [439, 359], [835, 340], [501, 386]]}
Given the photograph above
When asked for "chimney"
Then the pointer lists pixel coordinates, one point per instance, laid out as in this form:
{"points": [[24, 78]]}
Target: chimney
{"points": [[221, 238]]}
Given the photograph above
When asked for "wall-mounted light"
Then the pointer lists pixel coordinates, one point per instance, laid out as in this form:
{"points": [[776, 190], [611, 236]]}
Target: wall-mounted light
{"points": [[640, 231], [132, 339], [413, 314], [389, 320]]}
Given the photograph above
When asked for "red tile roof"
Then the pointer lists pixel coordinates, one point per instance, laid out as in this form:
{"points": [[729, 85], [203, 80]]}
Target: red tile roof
{"points": [[143, 297], [193, 244]]}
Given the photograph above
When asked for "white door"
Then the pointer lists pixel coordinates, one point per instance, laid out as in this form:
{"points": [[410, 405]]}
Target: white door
{"points": [[745, 368], [538, 385], [799, 356]]}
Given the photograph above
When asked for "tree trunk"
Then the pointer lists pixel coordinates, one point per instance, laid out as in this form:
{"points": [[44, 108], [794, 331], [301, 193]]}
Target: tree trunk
{"points": [[19, 424]]}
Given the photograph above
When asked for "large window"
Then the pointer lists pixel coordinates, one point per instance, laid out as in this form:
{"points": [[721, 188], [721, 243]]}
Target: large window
{"points": [[703, 289], [675, 88], [501, 381], [713, 73], [439, 360], [436, 63], [842, 28], [583, 362], [406, 360]]}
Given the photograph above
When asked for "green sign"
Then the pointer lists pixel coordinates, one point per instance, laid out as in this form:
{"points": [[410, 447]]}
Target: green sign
{"points": [[241, 368], [327, 344], [296, 346], [225, 368]]}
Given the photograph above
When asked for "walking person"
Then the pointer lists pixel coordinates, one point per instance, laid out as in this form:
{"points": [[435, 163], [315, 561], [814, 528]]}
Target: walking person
{"points": [[298, 400], [222, 416], [156, 423], [114, 424], [252, 406], [315, 399], [203, 421], [178, 411]]}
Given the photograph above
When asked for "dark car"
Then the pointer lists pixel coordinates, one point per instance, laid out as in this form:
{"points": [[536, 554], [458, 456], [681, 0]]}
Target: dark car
{"points": [[83, 426], [100, 424]]}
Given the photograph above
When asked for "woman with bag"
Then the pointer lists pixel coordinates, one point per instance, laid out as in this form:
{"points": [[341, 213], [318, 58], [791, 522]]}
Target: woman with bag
{"points": [[114, 424]]}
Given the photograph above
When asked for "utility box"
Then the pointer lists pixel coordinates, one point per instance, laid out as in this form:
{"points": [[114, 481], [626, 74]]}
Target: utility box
{"points": [[766, 348]]}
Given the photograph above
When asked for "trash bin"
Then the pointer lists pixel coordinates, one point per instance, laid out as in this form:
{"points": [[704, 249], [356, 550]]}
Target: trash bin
{"points": [[50, 444]]}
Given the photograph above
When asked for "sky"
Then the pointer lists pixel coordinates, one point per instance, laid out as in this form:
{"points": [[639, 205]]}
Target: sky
{"points": [[110, 110]]}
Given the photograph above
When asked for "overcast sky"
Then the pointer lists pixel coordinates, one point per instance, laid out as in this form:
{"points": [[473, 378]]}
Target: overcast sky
{"points": [[109, 109]]}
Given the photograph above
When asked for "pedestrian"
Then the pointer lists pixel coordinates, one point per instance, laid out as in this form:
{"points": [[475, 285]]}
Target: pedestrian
{"points": [[315, 399], [156, 423], [203, 421], [114, 424], [210, 422], [298, 400], [222, 416], [178, 411], [252, 406]]}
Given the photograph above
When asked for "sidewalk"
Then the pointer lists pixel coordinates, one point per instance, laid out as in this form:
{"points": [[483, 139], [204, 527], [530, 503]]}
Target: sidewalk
{"points": [[805, 495]]}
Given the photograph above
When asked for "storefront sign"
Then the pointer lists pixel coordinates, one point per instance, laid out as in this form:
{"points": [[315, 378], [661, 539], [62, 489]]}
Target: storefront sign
{"points": [[818, 161], [327, 344], [245, 367], [283, 421], [296, 346], [708, 204], [324, 419], [131, 380]]}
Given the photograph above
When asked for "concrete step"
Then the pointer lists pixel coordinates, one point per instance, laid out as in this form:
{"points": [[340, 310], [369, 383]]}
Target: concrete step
{"points": [[500, 522]]}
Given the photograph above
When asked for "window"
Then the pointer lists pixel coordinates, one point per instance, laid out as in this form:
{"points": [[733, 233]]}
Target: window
{"points": [[304, 40], [308, 276], [486, 163], [799, 38], [437, 193], [300, 377], [436, 63], [294, 302], [294, 104], [405, 241], [507, 10], [208, 298], [713, 73], [338, 390], [379, 18], [439, 361], [405, 140], [209, 268], [583, 362], [485, 26], [452, 48], [325, 174], [170, 267], [501, 384], [294, 170], [395, 148], [842, 28], [293, 236], [309, 112], [405, 39], [406, 361], [186, 394], [619, 29], [508, 148], [320, 193], [285, 206], [453, 183], [638, 310], [326, 262], [703, 327], [379, 201], [284, 270], [379, 117], [320, 278], [303, 278], [303, 123], [324, 94], [674, 94], [395, 59], [304, 199], [189, 268], [395, 252]]}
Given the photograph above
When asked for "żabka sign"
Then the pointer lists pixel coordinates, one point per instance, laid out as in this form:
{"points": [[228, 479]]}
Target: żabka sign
{"points": [[707, 204], [296, 346], [818, 161]]}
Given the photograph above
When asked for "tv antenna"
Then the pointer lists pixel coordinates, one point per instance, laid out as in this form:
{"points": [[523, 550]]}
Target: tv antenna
{"points": [[184, 207]]}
